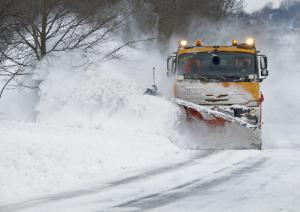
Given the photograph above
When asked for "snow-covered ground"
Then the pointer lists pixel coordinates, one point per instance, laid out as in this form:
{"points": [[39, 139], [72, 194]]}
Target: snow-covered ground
{"points": [[91, 124], [38, 159], [94, 142], [205, 180]]}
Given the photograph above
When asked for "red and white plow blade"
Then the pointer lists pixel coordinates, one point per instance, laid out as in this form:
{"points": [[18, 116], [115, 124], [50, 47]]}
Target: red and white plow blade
{"points": [[243, 135]]}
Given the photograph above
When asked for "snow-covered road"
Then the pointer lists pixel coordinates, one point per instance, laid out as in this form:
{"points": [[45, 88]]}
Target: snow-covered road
{"points": [[208, 181]]}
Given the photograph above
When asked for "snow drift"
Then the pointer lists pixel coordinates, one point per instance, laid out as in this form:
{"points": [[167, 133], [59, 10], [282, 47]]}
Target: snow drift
{"points": [[92, 123]]}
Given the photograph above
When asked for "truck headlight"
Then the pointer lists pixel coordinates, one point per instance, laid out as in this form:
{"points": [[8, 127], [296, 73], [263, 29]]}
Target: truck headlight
{"points": [[250, 42], [183, 43]]}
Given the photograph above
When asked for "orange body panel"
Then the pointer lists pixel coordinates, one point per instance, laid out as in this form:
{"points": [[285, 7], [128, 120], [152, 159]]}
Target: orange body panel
{"points": [[251, 87]]}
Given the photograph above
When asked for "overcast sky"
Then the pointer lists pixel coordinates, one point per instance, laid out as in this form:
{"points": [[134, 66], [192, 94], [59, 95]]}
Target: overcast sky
{"points": [[252, 5]]}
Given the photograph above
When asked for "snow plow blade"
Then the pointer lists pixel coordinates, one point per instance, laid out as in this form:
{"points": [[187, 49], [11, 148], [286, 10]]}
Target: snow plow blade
{"points": [[216, 114], [245, 136]]}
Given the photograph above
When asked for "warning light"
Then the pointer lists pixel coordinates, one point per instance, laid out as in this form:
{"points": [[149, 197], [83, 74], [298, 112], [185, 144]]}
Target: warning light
{"points": [[198, 42], [234, 42]]}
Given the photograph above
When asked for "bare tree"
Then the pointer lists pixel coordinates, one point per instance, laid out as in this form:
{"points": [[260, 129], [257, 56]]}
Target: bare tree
{"points": [[229, 8], [48, 26]]}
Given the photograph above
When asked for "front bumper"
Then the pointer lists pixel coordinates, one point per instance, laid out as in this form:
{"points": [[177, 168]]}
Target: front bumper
{"points": [[247, 114]]}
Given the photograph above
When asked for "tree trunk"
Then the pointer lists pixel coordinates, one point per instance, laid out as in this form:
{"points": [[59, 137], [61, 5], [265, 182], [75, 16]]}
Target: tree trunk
{"points": [[43, 36]]}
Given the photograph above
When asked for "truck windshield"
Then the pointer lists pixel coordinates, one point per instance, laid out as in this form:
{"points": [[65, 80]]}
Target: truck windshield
{"points": [[217, 65]]}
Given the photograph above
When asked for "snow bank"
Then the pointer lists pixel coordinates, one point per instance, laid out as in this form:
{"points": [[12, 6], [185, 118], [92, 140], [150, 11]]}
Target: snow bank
{"points": [[40, 159], [92, 123]]}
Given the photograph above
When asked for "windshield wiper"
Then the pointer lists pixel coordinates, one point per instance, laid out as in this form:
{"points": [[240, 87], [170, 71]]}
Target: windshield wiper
{"points": [[220, 77], [232, 76], [236, 78], [204, 78], [195, 76]]}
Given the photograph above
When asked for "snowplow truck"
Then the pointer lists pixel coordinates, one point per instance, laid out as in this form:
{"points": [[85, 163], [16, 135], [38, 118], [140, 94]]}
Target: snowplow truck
{"points": [[220, 86]]}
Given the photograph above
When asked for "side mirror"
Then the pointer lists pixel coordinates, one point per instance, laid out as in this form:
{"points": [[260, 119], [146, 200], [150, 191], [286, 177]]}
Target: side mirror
{"points": [[263, 66], [171, 65], [263, 62]]}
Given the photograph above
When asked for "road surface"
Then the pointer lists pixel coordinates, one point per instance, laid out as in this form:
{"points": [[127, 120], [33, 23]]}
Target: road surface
{"points": [[211, 181]]}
